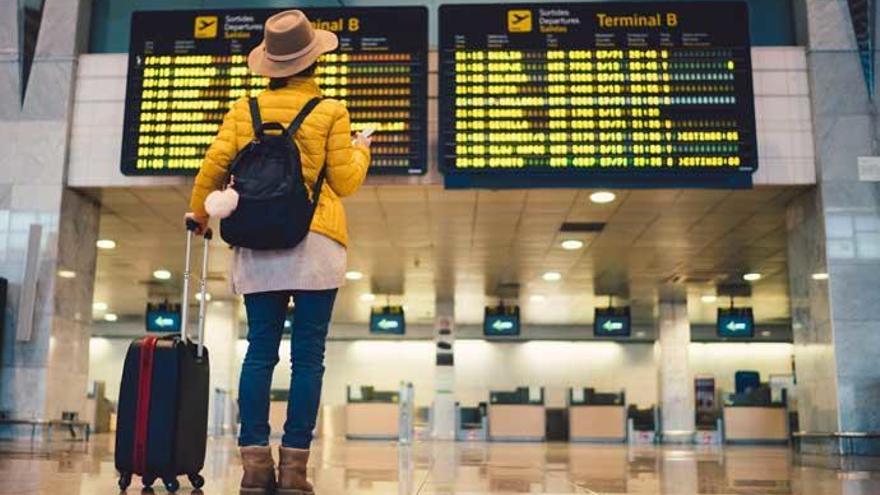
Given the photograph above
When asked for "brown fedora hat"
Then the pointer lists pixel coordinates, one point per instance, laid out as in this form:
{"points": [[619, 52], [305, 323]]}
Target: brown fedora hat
{"points": [[290, 44]]}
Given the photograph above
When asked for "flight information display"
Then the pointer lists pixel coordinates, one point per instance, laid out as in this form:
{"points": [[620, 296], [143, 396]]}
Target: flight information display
{"points": [[626, 94], [186, 68]]}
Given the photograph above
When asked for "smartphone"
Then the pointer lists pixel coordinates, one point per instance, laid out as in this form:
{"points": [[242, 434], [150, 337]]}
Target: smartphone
{"points": [[366, 132]]}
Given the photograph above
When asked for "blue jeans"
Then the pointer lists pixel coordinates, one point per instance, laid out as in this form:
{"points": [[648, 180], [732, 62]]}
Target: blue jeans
{"points": [[266, 313]]}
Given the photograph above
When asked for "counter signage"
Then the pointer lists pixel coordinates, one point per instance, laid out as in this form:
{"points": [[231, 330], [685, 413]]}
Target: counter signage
{"points": [[611, 322], [388, 320], [185, 69], [626, 94], [735, 322], [501, 321]]}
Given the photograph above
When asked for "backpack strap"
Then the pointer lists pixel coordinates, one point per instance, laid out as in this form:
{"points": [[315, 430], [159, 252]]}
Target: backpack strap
{"points": [[301, 116], [291, 130], [255, 116]]}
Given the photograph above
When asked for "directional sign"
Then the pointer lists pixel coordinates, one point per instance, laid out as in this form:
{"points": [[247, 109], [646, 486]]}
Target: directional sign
{"points": [[501, 321], [502, 325], [736, 323], [388, 325], [388, 320], [163, 320], [611, 322]]}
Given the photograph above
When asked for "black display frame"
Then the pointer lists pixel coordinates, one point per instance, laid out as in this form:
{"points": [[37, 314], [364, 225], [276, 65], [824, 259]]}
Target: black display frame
{"points": [[480, 15]]}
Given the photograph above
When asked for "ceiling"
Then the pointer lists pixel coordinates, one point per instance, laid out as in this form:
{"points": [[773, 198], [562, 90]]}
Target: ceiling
{"points": [[416, 244]]}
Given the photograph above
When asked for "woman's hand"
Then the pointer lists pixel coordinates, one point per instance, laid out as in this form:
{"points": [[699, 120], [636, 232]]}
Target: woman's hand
{"points": [[361, 140], [201, 221]]}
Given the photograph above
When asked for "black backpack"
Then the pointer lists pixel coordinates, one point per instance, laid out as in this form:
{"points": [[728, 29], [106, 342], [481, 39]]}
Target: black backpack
{"points": [[274, 209]]}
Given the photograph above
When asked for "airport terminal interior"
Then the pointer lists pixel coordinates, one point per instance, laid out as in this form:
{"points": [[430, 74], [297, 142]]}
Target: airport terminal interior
{"points": [[603, 247]]}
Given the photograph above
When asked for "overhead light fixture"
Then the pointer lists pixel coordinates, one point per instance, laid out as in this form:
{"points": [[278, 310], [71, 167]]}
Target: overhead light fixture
{"points": [[572, 244], [368, 297], [552, 276], [207, 296], [111, 317], [66, 273], [820, 276], [708, 298], [640, 334], [99, 306], [752, 277], [537, 298], [106, 244], [162, 274], [354, 275], [602, 197]]}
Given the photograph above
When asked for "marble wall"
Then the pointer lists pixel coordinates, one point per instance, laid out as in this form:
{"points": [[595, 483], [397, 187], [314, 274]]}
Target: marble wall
{"points": [[47, 374], [836, 230]]}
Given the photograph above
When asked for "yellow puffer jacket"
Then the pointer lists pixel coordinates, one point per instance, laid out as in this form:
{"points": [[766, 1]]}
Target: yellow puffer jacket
{"points": [[323, 138]]}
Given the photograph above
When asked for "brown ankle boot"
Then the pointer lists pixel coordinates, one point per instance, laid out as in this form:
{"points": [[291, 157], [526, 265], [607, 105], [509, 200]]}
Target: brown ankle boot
{"points": [[259, 471], [292, 472]]}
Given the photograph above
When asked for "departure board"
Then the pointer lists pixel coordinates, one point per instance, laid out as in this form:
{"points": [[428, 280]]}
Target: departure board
{"points": [[613, 94], [186, 68]]}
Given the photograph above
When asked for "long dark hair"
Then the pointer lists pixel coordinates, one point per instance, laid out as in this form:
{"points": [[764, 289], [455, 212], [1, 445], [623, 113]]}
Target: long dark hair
{"points": [[280, 82]]}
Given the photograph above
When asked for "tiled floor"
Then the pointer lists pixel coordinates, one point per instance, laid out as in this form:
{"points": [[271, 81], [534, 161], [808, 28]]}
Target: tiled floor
{"points": [[446, 468]]}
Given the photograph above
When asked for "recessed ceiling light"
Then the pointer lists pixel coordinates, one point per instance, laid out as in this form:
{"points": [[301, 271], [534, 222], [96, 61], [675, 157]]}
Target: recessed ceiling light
{"points": [[207, 296], [99, 306], [602, 197], [751, 277], [572, 244], [106, 244], [111, 317], [66, 273], [368, 297], [552, 276], [162, 274], [708, 298], [354, 275], [820, 276], [537, 298]]}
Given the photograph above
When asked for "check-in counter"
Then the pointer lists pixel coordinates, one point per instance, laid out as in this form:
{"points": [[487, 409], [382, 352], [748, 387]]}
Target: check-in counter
{"points": [[372, 414], [752, 416], [517, 416], [756, 424], [596, 417]]}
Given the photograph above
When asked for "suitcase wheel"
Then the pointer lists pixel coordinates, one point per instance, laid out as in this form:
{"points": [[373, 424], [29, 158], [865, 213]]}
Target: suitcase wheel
{"points": [[124, 481], [196, 480], [171, 484], [148, 480]]}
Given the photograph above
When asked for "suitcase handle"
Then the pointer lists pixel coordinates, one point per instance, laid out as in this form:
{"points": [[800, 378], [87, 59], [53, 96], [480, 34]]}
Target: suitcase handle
{"points": [[191, 227]]}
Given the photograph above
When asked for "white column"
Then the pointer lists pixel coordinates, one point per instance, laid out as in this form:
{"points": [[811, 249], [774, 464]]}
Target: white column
{"points": [[443, 413], [676, 383], [221, 336]]}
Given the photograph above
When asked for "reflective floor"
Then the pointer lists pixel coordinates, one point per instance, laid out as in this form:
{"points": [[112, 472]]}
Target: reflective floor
{"points": [[447, 468]]}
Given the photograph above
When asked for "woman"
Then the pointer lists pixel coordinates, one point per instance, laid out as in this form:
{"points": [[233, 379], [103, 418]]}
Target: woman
{"points": [[310, 272]]}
